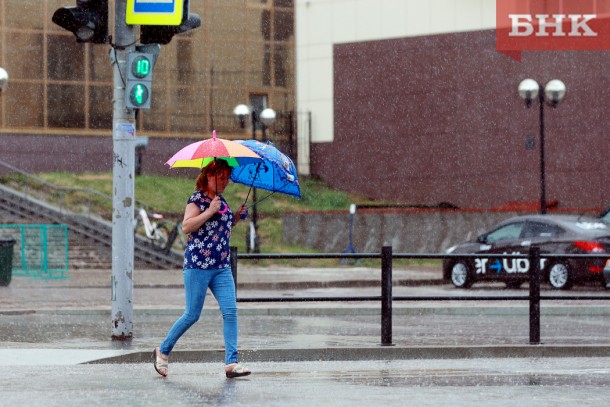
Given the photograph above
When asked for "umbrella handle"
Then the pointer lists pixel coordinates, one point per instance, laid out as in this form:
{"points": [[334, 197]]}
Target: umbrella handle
{"points": [[223, 210]]}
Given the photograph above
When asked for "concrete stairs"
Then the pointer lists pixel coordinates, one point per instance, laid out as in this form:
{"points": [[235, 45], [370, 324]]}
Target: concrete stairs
{"points": [[90, 238]]}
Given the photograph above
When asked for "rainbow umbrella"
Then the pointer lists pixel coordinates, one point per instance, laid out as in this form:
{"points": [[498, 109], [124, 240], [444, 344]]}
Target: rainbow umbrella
{"points": [[201, 153]]}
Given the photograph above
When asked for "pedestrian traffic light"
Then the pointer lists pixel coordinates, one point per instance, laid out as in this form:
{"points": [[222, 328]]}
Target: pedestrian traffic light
{"points": [[88, 21], [162, 34], [138, 90]]}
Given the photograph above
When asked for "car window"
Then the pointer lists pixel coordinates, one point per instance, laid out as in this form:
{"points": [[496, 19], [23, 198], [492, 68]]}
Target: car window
{"points": [[605, 216], [591, 227], [539, 229], [512, 231]]}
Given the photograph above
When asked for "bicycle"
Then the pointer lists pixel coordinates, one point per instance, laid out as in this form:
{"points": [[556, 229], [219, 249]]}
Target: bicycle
{"points": [[177, 235], [158, 231]]}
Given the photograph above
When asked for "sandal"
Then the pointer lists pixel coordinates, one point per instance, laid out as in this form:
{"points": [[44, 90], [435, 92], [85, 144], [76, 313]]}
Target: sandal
{"points": [[161, 364], [237, 371]]}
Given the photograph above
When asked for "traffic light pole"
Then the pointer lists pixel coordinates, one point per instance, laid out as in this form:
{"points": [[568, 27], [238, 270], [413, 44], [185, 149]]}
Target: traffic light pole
{"points": [[123, 181], [88, 21]]}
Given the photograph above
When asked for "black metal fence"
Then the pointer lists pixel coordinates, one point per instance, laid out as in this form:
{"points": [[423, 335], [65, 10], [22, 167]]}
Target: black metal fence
{"points": [[386, 298]]}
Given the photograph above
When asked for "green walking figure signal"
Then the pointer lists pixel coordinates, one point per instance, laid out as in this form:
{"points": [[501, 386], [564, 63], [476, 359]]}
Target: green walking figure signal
{"points": [[138, 89]]}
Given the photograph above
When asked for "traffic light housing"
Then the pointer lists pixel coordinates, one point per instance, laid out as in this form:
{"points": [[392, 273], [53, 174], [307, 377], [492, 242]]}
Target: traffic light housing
{"points": [[138, 89], [88, 21], [162, 34]]}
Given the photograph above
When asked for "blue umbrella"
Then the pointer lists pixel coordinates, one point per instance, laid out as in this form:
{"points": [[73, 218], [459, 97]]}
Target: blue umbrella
{"points": [[276, 173]]}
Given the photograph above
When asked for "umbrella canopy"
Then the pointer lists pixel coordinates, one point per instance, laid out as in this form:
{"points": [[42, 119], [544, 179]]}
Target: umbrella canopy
{"points": [[201, 153], [276, 172]]}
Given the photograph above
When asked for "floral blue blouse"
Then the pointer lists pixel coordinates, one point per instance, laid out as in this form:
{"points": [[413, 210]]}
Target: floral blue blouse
{"points": [[208, 248]]}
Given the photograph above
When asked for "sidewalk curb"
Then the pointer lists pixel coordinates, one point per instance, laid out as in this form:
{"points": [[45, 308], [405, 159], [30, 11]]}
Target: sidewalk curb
{"points": [[316, 311], [372, 353], [289, 285]]}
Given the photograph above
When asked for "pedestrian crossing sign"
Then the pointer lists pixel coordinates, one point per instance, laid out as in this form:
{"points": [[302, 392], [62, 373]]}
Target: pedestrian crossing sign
{"points": [[154, 12]]}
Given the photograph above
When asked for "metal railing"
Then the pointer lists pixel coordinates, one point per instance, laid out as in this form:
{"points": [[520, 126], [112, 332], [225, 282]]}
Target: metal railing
{"points": [[386, 298], [40, 251]]}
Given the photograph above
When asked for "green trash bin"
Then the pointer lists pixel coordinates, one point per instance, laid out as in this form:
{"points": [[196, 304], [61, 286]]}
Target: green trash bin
{"points": [[6, 260]]}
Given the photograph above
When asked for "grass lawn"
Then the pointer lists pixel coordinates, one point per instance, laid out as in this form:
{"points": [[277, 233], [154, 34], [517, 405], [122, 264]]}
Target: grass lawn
{"points": [[168, 195]]}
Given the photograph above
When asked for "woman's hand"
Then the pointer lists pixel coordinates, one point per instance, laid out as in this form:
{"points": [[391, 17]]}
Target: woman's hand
{"points": [[215, 205], [194, 218], [243, 213]]}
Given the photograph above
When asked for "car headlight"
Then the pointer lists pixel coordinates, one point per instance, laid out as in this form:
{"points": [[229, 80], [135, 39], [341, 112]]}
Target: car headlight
{"points": [[451, 249]]}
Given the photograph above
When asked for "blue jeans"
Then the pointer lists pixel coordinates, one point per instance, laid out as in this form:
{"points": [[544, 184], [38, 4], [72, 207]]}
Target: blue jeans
{"points": [[196, 283]]}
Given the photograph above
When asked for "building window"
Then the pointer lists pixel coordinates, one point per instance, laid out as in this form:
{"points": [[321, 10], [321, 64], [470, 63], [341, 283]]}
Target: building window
{"points": [[242, 48], [258, 103], [66, 61], [65, 106]]}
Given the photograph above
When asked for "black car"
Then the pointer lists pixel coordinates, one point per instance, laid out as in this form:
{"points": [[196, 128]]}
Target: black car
{"points": [[554, 234]]}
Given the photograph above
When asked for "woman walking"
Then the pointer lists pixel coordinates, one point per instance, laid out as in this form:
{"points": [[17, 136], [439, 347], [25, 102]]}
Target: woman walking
{"points": [[208, 221]]}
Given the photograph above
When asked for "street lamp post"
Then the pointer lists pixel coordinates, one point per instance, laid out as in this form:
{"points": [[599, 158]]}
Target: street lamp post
{"points": [[3, 79], [552, 93], [266, 118]]}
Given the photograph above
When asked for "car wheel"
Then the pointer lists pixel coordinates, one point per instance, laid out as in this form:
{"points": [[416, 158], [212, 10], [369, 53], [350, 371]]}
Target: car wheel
{"points": [[606, 279], [559, 276], [460, 275]]}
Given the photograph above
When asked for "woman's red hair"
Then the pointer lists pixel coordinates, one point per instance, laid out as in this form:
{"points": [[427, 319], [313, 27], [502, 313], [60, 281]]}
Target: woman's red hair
{"points": [[212, 168]]}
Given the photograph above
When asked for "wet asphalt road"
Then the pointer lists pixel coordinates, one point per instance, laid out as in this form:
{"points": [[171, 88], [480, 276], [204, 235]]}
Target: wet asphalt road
{"points": [[482, 382], [55, 348], [311, 328]]}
